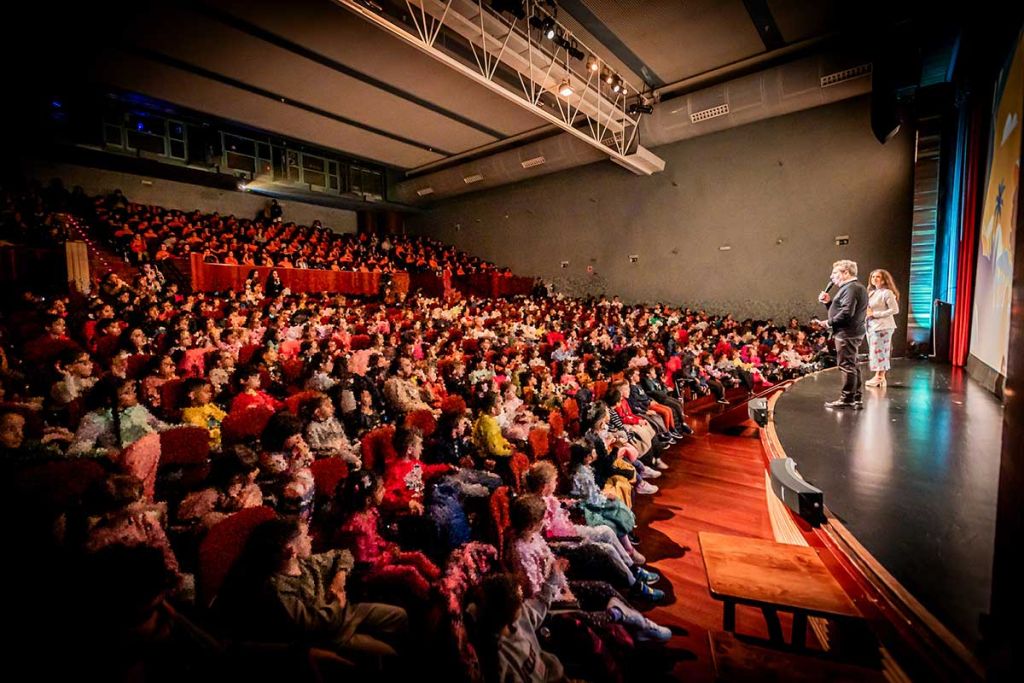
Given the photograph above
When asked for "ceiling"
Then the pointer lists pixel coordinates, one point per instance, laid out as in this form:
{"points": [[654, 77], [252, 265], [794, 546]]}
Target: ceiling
{"points": [[314, 71]]}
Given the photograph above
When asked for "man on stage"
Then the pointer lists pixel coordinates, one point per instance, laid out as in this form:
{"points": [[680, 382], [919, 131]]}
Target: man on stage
{"points": [[846, 315]]}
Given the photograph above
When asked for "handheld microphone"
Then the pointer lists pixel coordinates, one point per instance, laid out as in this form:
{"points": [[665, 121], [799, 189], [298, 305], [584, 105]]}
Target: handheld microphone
{"points": [[829, 287]]}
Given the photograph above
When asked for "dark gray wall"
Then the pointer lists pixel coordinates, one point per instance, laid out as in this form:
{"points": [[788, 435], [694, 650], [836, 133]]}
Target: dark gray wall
{"points": [[802, 179]]}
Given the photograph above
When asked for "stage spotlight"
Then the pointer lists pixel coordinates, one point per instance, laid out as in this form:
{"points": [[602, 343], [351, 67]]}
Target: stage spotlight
{"points": [[574, 50], [609, 77], [617, 86], [566, 89], [549, 28], [637, 108], [593, 64]]}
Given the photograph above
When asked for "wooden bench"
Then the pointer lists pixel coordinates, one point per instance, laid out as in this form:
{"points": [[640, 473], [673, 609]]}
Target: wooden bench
{"points": [[738, 662], [773, 577]]}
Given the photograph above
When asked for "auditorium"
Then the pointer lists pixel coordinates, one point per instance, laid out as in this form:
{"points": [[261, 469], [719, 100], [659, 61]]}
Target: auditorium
{"points": [[522, 340]]}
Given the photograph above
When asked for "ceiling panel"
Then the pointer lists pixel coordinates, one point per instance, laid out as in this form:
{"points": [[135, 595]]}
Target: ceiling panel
{"points": [[802, 19], [200, 41], [134, 73], [680, 39], [337, 33]]}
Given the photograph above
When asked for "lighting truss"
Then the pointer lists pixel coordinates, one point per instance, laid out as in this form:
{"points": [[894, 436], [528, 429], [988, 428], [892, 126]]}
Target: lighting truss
{"points": [[534, 70]]}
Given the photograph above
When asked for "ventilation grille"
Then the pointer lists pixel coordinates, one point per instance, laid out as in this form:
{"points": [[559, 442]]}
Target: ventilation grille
{"points": [[470, 179], [714, 112], [424, 191], [530, 163], [845, 75]]}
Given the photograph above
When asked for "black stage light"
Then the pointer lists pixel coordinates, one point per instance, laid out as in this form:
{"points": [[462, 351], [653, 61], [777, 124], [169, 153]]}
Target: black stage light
{"points": [[549, 28], [637, 108]]}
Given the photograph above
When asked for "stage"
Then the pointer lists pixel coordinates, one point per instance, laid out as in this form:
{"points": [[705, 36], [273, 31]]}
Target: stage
{"points": [[913, 476]]}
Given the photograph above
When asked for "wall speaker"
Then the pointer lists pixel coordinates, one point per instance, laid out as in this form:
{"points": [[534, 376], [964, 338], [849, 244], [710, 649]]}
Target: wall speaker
{"points": [[799, 496]]}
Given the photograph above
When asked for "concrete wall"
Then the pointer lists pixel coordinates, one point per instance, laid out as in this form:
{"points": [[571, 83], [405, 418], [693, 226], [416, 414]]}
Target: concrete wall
{"points": [[178, 195], [777, 192]]}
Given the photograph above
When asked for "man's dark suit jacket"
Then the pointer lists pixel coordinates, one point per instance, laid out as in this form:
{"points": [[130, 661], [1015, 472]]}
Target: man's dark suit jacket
{"points": [[848, 309]]}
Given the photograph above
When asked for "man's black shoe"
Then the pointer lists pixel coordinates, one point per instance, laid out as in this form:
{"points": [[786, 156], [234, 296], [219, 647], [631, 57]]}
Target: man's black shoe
{"points": [[685, 428], [840, 403]]}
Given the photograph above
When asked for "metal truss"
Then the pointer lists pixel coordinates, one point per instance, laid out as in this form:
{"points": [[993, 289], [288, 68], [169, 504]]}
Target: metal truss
{"points": [[535, 71]]}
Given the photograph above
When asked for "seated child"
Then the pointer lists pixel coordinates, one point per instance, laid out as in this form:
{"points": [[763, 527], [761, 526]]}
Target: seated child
{"points": [[201, 411]]}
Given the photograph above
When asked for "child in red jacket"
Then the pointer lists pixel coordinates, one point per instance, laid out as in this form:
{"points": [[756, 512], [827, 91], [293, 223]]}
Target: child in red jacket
{"points": [[386, 565], [405, 477]]}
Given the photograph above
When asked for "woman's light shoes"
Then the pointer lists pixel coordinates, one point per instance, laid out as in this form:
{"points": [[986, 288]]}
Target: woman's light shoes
{"points": [[875, 382]]}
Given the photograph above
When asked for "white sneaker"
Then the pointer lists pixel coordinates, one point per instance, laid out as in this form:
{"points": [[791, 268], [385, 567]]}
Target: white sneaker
{"points": [[647, 630], [661, 464], [653, 632], [646, 488], [648, 473]]}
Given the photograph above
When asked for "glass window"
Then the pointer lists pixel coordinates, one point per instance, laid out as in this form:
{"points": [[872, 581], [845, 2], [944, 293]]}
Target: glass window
{"points": [[146, 143], [312, 163], [240, 162], [176, 130], [148, 125], [177, 149], [112, 135], [234, 143]]}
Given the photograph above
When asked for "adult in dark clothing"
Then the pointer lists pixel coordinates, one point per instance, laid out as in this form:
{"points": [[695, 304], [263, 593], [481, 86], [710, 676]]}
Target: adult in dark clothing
{"points": [[657, 390], [847, 312], [273, 286]]}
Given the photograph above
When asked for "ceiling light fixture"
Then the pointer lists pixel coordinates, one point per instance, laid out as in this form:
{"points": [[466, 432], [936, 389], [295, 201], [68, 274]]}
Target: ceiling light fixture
{"points": [[593, 64], [566, 89]]}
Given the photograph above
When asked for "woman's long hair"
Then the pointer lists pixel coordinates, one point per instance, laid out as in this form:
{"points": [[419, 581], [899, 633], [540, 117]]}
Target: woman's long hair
{"points": [[887, 282]]}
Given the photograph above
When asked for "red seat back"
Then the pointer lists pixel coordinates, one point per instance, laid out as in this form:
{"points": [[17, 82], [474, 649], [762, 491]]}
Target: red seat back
{"points": [[186, 445], [142, 459], [244, 425], [327, 473], [222, 546]]}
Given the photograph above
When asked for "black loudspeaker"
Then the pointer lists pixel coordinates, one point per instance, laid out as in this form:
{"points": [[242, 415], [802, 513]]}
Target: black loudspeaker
{"points": [[942, 322], [757, 409], [799, 496]]}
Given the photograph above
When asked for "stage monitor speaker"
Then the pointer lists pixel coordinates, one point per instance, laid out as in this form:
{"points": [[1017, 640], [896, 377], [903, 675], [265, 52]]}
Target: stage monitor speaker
{"points": [[757, 409], [942, 321], [799, 496]]}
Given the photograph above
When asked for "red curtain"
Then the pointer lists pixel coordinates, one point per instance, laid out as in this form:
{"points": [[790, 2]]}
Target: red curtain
{"points": [[974, 176]]}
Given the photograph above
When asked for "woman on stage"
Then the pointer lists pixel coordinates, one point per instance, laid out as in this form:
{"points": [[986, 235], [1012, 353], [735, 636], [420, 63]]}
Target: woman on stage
{"points": [[883, 305]]}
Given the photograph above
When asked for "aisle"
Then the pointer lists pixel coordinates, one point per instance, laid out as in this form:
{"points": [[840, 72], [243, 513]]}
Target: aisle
{"points": [[716, 483]]}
